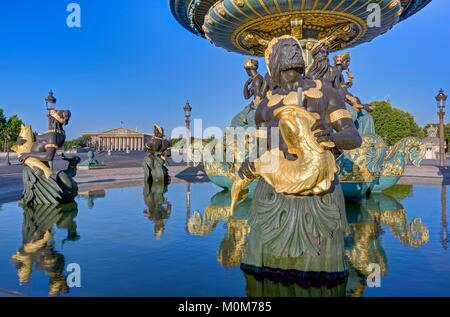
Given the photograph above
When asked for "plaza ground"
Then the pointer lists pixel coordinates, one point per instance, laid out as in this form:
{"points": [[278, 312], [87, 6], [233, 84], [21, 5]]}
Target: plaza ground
{"points": [[124, 170]]}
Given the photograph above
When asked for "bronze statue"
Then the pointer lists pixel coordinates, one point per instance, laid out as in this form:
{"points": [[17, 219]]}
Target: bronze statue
{"points": [[255, 87], [36, 152], [360, 112], [298, 212], [155, 163]]}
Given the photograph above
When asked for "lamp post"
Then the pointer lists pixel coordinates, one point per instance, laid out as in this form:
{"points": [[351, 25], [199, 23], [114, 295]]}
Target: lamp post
{"points": [[8, 139], [441, 98], [50, 102], [187, 117]]}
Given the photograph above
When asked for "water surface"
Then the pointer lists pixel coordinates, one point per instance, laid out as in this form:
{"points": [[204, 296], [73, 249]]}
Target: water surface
{"points": [[131, 244]]}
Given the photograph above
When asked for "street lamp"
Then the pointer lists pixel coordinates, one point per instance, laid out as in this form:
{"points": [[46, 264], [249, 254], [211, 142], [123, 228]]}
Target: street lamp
{"points": [[187, 117], [187, 113], [8, 140], [441, 98], [50, 102]]}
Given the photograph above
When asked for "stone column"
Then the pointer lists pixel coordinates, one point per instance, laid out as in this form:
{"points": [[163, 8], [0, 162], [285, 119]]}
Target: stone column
{"points": [[116, 144]]}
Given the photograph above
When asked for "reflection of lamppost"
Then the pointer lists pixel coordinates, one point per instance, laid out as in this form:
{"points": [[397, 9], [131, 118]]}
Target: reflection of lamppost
{"points": [[187, 117], [8, 139], [188, 204], [444, 226], [441, 98]]}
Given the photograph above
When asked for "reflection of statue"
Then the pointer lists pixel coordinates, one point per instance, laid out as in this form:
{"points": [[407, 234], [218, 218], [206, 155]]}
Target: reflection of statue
{"points": [[233, 243], [36, 152], [158, 149], [38, 250], [364, 244], [93, 195], [158, 207], [293, 226]]}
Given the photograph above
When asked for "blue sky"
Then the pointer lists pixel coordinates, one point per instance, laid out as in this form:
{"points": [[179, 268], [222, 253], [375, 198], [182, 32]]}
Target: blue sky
{"points": [[131, 61]]}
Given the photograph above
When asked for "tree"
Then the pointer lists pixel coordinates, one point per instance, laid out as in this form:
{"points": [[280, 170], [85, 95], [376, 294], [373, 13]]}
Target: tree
{"points": [[77, 143], [13, 128], [9, 127], [393, 124]]}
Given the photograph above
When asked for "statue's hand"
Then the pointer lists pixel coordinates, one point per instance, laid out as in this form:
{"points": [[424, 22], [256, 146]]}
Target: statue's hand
{"points": [[326, 132], [247, 170], [21, 141], [23, 157], [369, 108]]}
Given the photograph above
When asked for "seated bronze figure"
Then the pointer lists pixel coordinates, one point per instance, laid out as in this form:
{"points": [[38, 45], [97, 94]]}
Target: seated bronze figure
{"points": [[155, 163], [36, 152]]}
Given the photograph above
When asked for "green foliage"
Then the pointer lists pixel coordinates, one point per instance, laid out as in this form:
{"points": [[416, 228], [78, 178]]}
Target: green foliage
{"points": [[9, 127], [77, 143], [393, 124]]}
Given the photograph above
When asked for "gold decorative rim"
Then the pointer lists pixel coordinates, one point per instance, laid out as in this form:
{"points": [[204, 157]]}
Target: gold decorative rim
{"points": [[246, 27]]}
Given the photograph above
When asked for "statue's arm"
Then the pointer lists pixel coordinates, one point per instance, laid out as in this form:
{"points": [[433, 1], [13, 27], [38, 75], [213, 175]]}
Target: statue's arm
{"points": [[258, 86], [46, 156], [345, 134], [247, 93]]}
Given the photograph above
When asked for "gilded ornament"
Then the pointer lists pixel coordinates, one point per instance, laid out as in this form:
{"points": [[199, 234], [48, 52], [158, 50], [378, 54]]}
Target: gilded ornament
{"points": [[339, 115]]}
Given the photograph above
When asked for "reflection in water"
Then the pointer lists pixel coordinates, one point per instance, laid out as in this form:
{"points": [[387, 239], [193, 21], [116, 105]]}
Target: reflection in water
{"points": [[363, 245], [91, 196], [444, 226], [233, 242], [38, 249], [188, 204], [158, 207], [259, 286]]}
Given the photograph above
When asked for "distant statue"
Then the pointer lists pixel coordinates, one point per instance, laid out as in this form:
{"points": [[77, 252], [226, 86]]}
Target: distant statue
{"points": [[36, 152], [155, 163], [91, 162], [297, 217], [255, 87], [360, 112]]}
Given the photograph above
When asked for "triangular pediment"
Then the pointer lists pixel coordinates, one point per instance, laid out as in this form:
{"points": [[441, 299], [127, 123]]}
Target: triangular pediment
{"points": [[121, 131]]}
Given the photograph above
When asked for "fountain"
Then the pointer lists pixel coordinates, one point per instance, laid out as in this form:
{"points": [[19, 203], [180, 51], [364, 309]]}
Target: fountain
{"points": [[297, 215]]}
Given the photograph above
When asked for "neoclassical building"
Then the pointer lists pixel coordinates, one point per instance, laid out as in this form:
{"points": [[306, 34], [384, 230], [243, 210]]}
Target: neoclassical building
{"points": [[119, 139]]}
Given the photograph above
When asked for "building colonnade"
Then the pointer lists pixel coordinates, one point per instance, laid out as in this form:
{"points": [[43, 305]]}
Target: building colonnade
{"points": [[117, 143]]}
